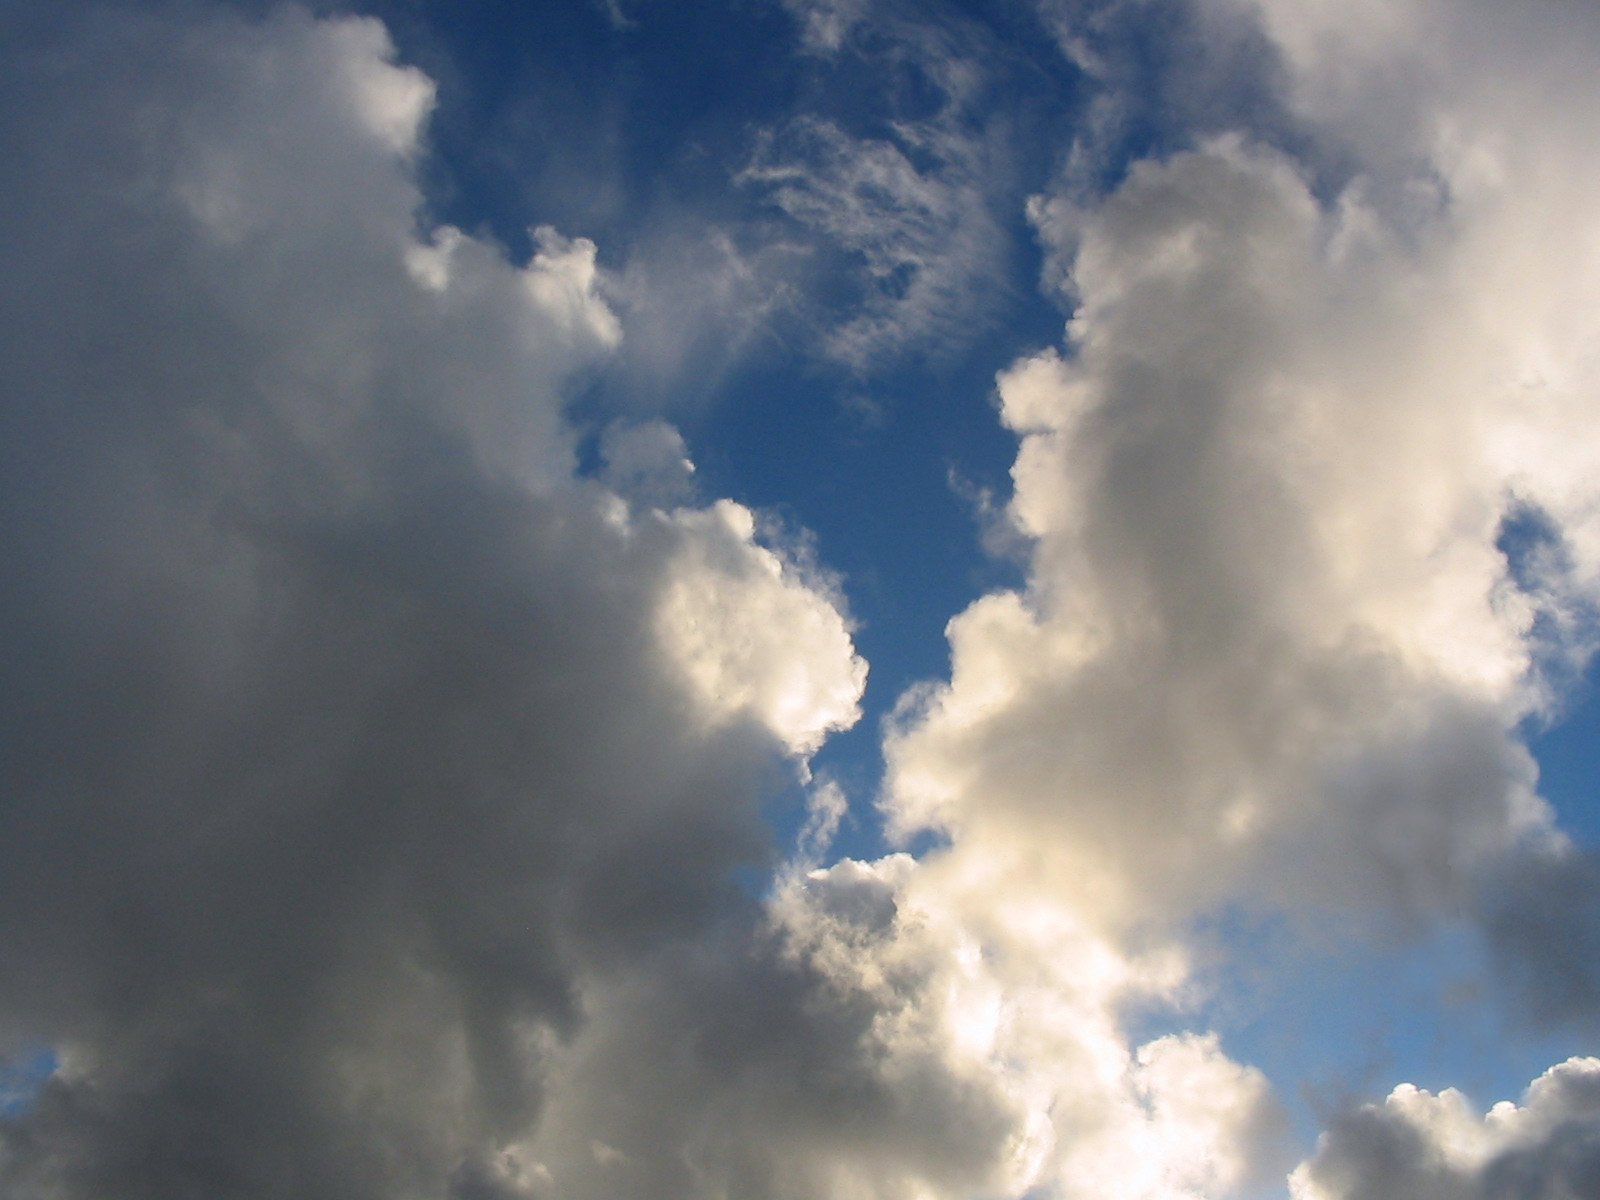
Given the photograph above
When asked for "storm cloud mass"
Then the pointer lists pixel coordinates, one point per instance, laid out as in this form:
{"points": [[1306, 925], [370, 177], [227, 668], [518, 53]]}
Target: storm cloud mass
{"points": [[395, 726]]}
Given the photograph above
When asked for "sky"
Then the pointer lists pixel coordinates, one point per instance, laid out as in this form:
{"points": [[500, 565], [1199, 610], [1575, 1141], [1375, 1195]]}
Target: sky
{"points": [[773, 599]]}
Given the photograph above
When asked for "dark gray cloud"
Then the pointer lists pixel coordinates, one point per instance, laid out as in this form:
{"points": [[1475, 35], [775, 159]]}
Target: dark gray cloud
{"points": [[344, 732], [1419, 1146]]}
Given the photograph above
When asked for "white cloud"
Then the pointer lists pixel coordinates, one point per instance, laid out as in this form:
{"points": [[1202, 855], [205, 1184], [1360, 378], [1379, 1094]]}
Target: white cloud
{"points": [[752, 635], [1267, 610], [1270, 648], [826, 24], [973, 981]]}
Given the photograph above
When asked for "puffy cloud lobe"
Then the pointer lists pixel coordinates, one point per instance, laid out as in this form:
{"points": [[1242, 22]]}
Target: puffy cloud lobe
{"points": [[752, 637], [1268, 602], [1020, 1004], [1420, 1146], [872, 1041], [344, 724]]}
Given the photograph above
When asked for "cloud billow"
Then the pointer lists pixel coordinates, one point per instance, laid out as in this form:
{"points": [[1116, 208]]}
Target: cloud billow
{"points": [[346, 725], [1420, 1145]]}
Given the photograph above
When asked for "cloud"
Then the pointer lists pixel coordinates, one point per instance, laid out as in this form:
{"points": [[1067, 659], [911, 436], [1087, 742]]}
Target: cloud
{"points": [[752, 637], [927, 241], [826, 24], [976, 983], [1540, 910], [1266, 609], [1280, 630], [1285, 614], [647, 461], [827, 806], [868, 1040], [1419, 1146], [911, 222], [699, 300], [345, 723], [1271, 636]]}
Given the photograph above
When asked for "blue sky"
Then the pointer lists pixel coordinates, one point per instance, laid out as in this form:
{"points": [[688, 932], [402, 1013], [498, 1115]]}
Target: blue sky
{"points": [[776, 598]]}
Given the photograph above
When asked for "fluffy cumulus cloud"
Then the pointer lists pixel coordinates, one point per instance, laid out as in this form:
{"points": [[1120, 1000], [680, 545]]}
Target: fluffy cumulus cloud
{"points": [[1420, 1145], [1311, 536], [1267, 600], [752, 635], [1021, 1004], [1275, 603]]}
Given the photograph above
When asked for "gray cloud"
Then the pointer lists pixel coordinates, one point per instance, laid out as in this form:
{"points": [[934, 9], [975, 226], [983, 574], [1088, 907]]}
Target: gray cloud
{"points": [[1420, 1146], [345, 729], [1541, 912]]}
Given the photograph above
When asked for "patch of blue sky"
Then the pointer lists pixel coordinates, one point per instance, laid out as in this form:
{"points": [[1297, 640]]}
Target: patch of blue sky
{"points": [[1565, 741], [22, 1077], [1568, 753], [550, 114]]}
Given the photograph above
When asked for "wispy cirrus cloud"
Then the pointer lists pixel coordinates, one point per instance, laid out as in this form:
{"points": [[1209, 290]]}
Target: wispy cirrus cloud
{"points": [[924, 241], [918, 212]]}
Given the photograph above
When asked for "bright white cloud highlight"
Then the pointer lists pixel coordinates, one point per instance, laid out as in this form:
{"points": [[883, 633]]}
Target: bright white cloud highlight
{"points": [[973, 983], [752, 635]]}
